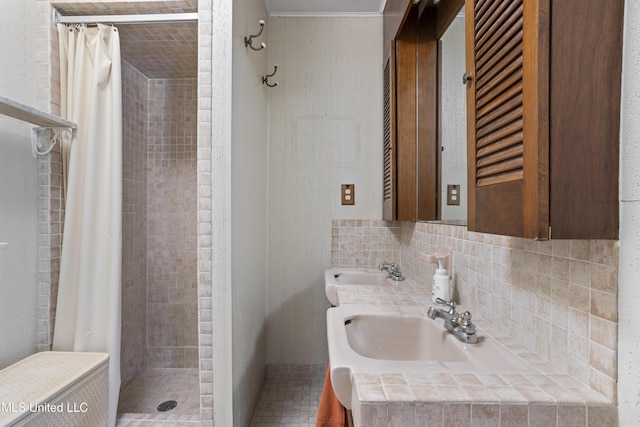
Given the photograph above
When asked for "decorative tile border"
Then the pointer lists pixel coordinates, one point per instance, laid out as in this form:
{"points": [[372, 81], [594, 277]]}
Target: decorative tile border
{"points": [[465, 400], [50, 198], [205, 210]]}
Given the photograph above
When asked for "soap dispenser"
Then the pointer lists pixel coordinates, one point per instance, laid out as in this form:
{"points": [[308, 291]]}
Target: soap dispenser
{"points": [[441, 285]]}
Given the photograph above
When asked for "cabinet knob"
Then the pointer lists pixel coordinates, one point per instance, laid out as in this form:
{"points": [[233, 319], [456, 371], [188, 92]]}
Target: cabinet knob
{"points": [[465, 79]]}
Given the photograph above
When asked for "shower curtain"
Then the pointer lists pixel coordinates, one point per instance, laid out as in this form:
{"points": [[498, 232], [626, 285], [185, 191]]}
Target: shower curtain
{"points": [[89, 293]]}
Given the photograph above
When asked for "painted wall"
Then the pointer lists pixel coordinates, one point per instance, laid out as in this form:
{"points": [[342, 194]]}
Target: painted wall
{"points": [[629, 263], [326, 130], [249, 220], [18, 186]]}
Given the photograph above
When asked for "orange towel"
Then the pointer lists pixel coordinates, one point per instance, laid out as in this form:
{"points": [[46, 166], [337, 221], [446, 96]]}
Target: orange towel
{"points": [[331, 413]]}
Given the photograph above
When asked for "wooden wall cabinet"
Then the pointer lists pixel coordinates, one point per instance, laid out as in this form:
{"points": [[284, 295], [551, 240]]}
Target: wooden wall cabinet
{"points": [[543, 117]]}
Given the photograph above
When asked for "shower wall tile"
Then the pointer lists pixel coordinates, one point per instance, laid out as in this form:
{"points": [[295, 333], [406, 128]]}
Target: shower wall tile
{"points": [[172, 291], [134, 222], [173, 357]]}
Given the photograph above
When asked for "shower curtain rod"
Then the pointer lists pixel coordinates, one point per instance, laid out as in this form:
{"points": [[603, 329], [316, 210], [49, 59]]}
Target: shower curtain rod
{"points": [[125, 19]]}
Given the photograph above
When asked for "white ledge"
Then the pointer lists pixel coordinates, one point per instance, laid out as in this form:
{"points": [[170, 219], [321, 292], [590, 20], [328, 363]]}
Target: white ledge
{"points": [[19, 111]]}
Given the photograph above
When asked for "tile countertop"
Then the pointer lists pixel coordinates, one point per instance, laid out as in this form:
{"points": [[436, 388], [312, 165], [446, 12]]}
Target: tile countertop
{"points": [[409, 394]]}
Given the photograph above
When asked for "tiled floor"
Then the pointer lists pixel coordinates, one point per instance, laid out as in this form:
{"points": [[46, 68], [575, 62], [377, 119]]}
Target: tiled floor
{"points": [[139, 401], [288, 402]]}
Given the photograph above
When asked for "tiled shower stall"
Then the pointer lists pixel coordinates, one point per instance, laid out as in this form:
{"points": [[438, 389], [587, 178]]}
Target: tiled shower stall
{"points": [[159, 304], [167, 286]]}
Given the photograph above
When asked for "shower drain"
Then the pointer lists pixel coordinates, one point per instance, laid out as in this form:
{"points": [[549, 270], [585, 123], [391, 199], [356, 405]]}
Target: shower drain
{"points": [[167, 406]]}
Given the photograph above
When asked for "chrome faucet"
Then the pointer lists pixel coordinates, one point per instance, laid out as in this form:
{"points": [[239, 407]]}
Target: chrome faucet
{"points": [[393, 269], [458, 324]]}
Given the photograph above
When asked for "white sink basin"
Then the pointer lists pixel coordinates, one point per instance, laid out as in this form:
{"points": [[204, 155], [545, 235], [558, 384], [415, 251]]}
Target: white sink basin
{"points": [[402, 339], [392, 336], [334, 277]]}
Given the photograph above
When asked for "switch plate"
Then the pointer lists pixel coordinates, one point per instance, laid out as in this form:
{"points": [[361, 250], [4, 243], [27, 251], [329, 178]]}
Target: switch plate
{"points": [[453, 195], [348, 194]]}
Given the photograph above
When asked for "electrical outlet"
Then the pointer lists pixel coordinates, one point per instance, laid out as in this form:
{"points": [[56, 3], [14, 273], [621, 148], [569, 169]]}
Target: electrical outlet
{"points": [[348, 194], [453, 195]]}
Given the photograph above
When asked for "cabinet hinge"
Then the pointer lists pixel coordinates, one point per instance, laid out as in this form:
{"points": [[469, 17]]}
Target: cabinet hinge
{"points": [[543, 239]]}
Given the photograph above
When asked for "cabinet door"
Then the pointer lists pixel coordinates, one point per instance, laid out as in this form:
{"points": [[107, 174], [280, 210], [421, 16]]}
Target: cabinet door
{"points": [[507, 111], [406, 123], [388, 140], [585, 87]]}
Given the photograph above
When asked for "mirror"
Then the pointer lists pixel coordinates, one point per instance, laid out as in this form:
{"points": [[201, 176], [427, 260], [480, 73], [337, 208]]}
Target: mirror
{"points": [[429, 60], [452, 113]]}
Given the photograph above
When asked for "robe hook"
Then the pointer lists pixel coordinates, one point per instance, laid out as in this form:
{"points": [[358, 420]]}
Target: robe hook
{"points": [[265, 79], [248, 40]]}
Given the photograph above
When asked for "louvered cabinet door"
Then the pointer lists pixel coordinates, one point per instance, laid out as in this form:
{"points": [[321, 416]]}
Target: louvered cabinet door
{"points": [[507, 110], [388, 145]]}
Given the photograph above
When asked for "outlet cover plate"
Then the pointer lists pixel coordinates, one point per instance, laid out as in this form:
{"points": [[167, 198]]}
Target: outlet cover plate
{"points": [[348, 194], [453, 195]]}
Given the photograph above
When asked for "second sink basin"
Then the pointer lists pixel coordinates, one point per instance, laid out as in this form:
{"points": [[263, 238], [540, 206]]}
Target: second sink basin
{"points": [[334, 277]]}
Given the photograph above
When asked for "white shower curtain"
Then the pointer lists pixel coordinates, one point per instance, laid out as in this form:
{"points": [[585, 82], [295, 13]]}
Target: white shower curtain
{"points": [[89, 294]]}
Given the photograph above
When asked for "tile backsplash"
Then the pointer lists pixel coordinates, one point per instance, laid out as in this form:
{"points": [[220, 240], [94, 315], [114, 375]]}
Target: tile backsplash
{"points": [[557, 298]]}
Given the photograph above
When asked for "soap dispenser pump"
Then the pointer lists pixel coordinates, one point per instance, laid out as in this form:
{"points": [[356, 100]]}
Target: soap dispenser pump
{"points": [[441, 285]]}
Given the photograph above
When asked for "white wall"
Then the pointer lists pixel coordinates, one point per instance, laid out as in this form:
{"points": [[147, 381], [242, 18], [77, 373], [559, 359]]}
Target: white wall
{"points": [[629, 263], [18, 186], [249, 219], [326, 130]]}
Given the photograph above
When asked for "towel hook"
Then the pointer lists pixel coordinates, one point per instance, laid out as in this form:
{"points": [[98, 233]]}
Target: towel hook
{"points": [[265, 79], [249, 41]]}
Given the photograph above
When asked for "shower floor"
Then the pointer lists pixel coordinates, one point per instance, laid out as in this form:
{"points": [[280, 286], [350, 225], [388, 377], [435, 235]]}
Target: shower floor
{"points": [[140, 399]]}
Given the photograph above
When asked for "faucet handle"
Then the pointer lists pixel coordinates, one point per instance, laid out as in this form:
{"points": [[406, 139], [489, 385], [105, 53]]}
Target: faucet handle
{"points": [[384, 265], [465, 323], [451, 304], [452, 308]]}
